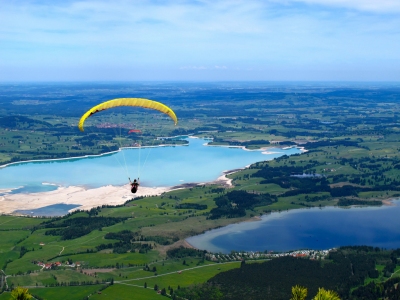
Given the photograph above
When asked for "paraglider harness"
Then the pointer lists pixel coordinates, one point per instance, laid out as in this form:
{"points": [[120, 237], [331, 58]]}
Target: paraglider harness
{"points": [[134, 185]]}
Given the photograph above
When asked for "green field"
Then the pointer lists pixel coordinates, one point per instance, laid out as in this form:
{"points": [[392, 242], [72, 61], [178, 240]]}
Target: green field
{"points": [[352, 138], [187, 277], [49, 277], [5, 296], [12, 222], [125, 292], [66, 293]]}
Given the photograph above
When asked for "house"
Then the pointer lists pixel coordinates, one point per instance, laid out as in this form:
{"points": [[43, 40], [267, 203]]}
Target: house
{"points": [[300, 255]]}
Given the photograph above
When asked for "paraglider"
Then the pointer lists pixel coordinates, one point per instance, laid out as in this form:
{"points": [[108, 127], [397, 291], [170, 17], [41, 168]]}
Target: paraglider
{"points": [[139, 102], [129, 102], [134, 185]]}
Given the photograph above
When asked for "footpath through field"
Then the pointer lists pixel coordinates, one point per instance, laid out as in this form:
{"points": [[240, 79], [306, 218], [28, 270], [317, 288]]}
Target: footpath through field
{"points": [[174, 272]]}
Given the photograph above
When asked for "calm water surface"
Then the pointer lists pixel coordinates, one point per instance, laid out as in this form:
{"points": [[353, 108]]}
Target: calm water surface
{"points": [[54, 210], [160, 166], [313, 228]]}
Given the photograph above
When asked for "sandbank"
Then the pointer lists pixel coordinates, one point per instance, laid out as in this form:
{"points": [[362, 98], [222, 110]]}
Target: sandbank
{"points": [[264, 150], [270, 152], [186, 244], [389, 202], [87, 198], [225, 181], [2, 191]]}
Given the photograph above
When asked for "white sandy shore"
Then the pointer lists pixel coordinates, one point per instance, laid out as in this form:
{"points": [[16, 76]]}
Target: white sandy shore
{"points": [[264, 150], [270, 152], [225, 181], [2, 191], [87, 198]]}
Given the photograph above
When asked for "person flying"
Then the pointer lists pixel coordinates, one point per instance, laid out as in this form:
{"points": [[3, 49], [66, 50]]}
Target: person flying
{"points": [[134, 185]]}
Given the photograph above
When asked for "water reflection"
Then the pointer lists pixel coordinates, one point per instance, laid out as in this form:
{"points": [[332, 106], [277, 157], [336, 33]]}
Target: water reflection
{"points": [[308, 229]]}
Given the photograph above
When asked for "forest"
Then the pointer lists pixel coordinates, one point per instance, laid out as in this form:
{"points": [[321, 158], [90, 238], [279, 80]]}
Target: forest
{"points": [[234, 204], [73, 228], [345, 268]]}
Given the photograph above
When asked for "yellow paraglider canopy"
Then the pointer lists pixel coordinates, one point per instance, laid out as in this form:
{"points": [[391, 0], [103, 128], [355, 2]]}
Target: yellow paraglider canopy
{"points": [[140, 102]]}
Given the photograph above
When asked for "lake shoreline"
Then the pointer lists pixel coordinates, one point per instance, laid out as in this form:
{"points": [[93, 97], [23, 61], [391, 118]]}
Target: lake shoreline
{"points": [[187, 244], [263, 150], [79, 195], [85, 156], [90, 198], [203, 240], [116, 151]]}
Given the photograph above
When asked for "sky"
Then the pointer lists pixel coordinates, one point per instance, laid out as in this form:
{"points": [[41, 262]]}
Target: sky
{"points": [[204, 40]]}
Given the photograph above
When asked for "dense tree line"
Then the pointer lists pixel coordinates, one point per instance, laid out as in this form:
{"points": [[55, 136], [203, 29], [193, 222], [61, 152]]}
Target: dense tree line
{"points": [[234, 204], [123, 247], [345, 269], [21, 122], [206, 291], [162, 240], [284, 177], [348, 202], [245, 143], [185, 252], [269, 173], [124, 235], [76, 227], [191, 206], [389, 289], [287, 177], [332, 143], [132, 241]]}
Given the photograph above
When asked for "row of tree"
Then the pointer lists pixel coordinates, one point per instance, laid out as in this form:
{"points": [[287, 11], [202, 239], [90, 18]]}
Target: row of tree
{"points": [[234, 204], [345, 269]]}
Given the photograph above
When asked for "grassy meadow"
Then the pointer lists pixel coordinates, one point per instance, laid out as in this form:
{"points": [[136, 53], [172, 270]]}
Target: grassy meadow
{"points": [[352, 141]]}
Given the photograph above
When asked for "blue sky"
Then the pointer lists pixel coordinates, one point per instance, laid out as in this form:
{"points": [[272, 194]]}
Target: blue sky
{"points": [[121, 40]]}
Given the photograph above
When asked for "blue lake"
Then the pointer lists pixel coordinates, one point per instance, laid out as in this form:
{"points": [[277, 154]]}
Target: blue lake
{"points": [[54, 210], [159, 166], [315, 228]]}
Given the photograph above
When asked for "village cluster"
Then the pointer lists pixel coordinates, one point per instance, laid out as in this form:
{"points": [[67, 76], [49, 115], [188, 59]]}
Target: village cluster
{"points": [[52, 265], [218, 257], [311, 254]]}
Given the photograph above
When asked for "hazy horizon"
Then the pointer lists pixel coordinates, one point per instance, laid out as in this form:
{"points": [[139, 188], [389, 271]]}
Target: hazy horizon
{"points": [[225, 40]]}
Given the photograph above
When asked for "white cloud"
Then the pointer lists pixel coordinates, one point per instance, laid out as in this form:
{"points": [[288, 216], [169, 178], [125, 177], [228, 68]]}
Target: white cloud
{"points": [[107, 36]]}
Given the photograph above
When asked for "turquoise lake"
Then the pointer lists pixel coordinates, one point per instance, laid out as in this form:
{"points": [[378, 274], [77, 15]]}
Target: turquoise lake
{"points": [[314, 228], [158, 166]]}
